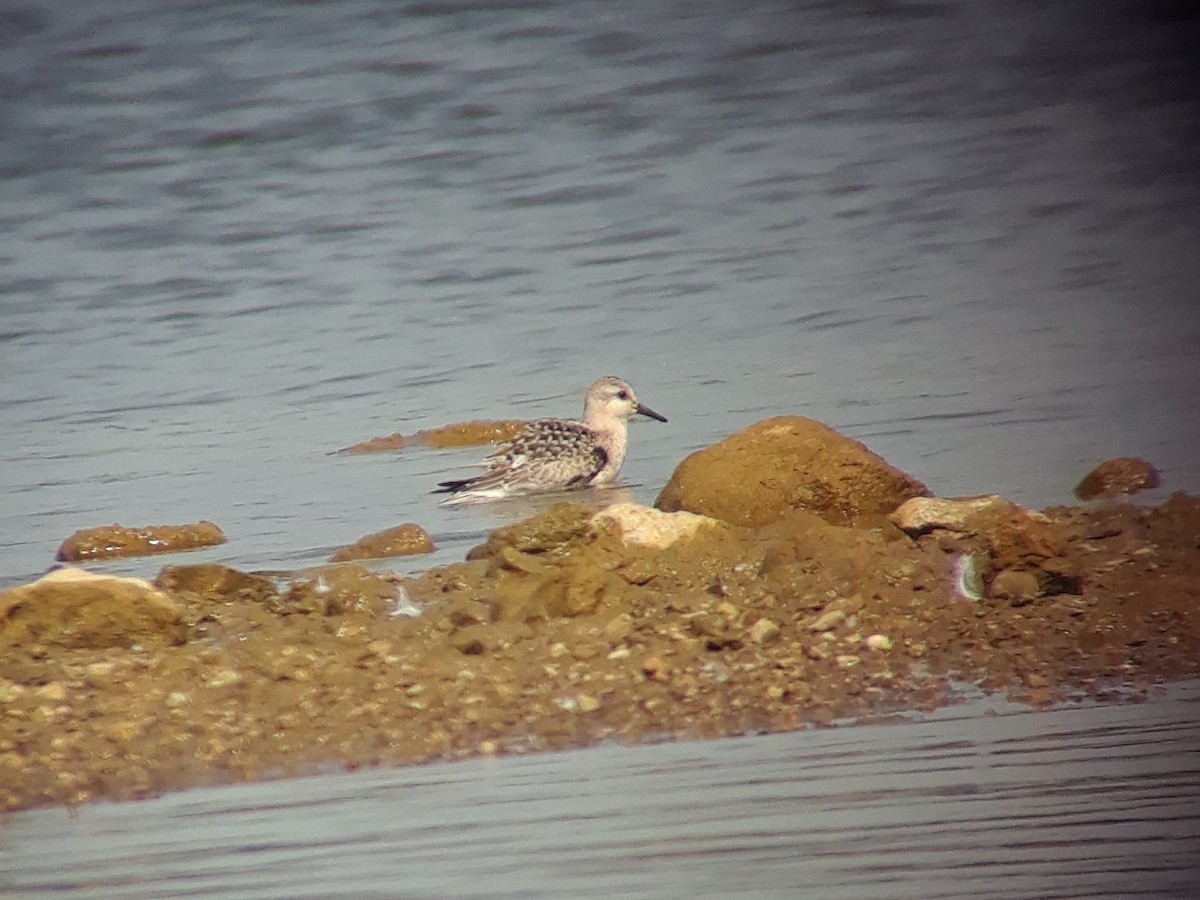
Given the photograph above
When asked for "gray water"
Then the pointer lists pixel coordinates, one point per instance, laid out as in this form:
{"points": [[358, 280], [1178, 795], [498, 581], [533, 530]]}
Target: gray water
{"points": [[1075, 803], [239, 236]]}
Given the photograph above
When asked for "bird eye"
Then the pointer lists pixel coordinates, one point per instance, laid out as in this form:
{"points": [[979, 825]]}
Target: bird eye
{"points": [[622, 395]]}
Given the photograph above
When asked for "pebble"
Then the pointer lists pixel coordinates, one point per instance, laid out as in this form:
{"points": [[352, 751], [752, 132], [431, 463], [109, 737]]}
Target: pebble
{"points": [[55, 691], [827, 620], [763, 631]]}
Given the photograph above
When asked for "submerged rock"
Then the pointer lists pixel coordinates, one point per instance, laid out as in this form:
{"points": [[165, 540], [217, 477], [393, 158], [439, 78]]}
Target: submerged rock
{"points": [[73, 608], [469, 434], [381, 444], [765, 471], [459, 434]]}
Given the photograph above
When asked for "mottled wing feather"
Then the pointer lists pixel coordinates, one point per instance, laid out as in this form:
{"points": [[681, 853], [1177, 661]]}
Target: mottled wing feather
{"points": [[548, 453]]}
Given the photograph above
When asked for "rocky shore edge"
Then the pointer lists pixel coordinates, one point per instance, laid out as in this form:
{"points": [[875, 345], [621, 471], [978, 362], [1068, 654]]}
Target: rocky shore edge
{"points": [[786, 578]]}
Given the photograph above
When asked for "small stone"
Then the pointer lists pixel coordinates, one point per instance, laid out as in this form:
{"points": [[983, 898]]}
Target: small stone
{"points": [[55, 692], [587, 703], [776, 691], [879, 642], [764, 631], [123, 732], [728, 610], [379, 648], [654, 667], [176, 699], [224, 678], [618, 628], [827, 620], [847, 661], [10, 691], [1017, 586]]}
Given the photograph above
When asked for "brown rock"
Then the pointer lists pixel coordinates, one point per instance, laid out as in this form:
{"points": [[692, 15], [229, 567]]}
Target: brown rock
{"points": [[544, 533], [763, 472], [469, 434], [1013, 536], [395, 441], [827, 620], [1018, 586], [763, 631], [1114, 477], [74, 608], [461, 434], [112, 541], [339, 589], [403, 540], [1060, 575], [577, 588], [216, 582]]}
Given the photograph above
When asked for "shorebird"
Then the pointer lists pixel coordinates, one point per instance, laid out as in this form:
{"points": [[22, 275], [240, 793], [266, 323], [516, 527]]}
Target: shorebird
{"points": [[558, 454]]}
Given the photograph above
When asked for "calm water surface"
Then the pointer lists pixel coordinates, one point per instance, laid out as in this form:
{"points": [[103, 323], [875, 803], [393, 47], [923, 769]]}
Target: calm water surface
{"points": [[1087, 802], [238, 236]]}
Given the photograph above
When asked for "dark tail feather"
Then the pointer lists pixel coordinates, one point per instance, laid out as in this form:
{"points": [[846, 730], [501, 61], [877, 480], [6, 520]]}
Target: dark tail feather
{"points": [[451, 487]]}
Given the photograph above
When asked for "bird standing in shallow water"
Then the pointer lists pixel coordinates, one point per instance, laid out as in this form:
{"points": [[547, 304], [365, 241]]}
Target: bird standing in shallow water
{"points": [[557, 454]]}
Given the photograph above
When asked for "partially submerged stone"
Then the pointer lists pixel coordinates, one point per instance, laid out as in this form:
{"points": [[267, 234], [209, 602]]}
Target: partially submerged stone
{"points": [[382, 444], [458, 434], [763, 472], [1121, 476], [113, 541], [402, 540], [469, 434], [73, 608]]}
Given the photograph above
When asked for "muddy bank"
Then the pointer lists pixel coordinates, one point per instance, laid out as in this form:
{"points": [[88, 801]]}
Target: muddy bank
{"points": [[580, 625]]}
